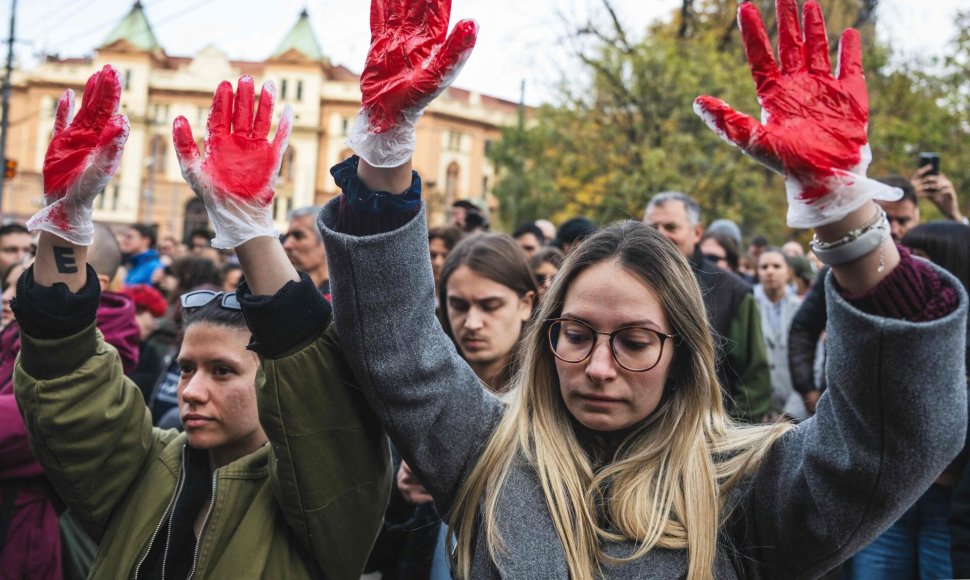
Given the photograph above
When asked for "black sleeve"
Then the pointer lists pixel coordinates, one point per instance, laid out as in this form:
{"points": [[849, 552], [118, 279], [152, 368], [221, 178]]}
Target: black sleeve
{"points": [[806, 328], [54, 312], [286, 321]]}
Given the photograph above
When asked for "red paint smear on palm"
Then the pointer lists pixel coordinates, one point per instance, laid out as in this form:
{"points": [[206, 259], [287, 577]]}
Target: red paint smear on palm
{"points": [[239, 161], [816, 123], [95, 127], [410, 56]]}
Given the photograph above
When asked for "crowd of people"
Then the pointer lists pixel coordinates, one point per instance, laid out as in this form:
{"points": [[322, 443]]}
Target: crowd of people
{"points": [[363, 396]]}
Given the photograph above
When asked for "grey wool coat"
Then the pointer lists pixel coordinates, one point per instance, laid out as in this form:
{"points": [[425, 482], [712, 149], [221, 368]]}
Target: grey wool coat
{"points": [[893, 418]]}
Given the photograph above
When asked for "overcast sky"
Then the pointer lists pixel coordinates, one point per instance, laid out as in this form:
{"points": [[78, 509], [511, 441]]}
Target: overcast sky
{"points": [[519, 39]]}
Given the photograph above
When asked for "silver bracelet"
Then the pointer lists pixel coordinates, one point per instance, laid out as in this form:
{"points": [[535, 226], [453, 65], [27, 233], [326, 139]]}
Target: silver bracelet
{"points": [[855, 244]]}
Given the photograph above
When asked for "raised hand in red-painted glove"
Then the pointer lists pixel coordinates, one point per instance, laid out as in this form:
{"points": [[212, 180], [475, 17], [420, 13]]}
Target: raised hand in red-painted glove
{"points": [[235, 180], [411, 61], [813, 127], [83, 155]]}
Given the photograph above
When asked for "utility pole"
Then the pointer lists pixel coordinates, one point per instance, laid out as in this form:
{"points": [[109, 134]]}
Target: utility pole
{"points": [[5, 119]]}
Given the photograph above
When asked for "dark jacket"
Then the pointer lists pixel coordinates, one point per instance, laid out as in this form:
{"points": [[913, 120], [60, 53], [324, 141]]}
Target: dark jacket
{"points": [[742, 363], [806, 328]]}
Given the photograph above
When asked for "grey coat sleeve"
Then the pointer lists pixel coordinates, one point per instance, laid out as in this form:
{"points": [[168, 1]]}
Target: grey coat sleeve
{"points": [[894, 416], [431, 403]]}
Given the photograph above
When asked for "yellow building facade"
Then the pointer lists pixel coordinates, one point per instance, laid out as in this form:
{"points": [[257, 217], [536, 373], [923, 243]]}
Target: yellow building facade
{"points": [[452, 137]]}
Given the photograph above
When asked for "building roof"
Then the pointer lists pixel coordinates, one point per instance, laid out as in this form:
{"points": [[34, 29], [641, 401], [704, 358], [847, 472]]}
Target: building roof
{"points": [[135, 30], [302, 39]]}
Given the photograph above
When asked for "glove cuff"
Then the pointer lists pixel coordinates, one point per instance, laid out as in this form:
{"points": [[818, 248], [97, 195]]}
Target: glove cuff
{"points": [[846, 192], [66, 219], [237, 221], [390, 148]]}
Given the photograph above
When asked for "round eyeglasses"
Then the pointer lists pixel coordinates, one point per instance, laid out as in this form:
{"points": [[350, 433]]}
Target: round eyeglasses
{"points": [[634, 348], [199, 298]]}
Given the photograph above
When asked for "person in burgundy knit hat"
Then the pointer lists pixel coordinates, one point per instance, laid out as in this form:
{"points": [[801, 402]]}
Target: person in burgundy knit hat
{"points": [[154, 342]]}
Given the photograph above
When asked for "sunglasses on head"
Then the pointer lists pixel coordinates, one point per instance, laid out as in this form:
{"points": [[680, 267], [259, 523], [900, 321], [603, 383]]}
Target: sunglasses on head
{"points": [[199, 298]]}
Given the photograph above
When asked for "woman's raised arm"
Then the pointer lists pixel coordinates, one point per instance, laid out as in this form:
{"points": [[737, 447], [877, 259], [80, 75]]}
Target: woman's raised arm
{"points": [[894, 413]]}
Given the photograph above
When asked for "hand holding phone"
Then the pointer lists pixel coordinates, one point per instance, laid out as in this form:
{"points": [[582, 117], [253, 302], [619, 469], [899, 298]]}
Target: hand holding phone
{"points": [[931, 159]]}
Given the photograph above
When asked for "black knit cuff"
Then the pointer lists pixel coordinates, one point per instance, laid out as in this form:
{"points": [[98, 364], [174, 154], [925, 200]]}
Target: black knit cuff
{"points": [[286, 321], [53, 312], [355, 223], [365, 200]]}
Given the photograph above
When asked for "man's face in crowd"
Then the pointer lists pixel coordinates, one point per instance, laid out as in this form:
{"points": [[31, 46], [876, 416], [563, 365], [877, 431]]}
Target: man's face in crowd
{"points": [[714, 252], [133, 243], [199, 244], [458, 216], [303, 247], [903, 216], [486, 317], [529, 243], [167, 247], [670, 219], [14, 247]]}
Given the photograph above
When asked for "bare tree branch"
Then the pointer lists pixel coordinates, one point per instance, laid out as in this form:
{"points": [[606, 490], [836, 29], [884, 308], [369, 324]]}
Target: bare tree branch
{"points": [[618, 28], [867, 13], [686, 18]]}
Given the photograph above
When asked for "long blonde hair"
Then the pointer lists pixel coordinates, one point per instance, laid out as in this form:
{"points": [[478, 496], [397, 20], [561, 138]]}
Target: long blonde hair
{"points": [[666, 484]]}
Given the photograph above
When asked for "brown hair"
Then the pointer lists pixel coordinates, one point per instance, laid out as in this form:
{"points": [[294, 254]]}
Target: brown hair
{"points": [[450, 235]]}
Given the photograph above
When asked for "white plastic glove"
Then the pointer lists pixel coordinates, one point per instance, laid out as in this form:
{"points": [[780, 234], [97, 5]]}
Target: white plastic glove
{"points": [[814, 125], [411, 61], [83, 155], [235, 180]]}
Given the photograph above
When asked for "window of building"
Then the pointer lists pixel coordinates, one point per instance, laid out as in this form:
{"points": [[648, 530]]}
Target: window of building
{"points": [[160, 114], [282, 206], [159, 152], [345, 126], [283, 90], [299, 90], [195, 218], [127, 79], [451, 182], [454, 141], [287, 167]]}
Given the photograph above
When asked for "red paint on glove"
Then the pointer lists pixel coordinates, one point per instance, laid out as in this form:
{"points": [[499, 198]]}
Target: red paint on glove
{"points": [[96, 126], [83, 155], [239, 161], [815, 124], [410, 58]]}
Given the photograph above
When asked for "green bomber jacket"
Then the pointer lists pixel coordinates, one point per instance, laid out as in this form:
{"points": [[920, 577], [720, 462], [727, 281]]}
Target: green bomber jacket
{"points": [[308, 504]]}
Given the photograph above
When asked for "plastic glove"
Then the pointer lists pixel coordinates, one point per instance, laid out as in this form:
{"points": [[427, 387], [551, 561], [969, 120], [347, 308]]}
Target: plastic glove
{"points": [[813, 127], [83, 155], [409, 64], [235, 180]]}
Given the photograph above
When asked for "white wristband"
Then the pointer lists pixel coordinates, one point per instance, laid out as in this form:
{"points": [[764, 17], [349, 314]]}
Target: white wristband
{"points": [[854, 245]]}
